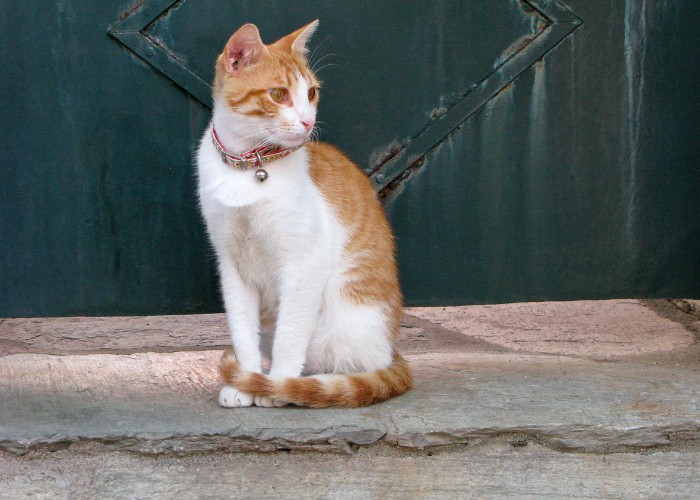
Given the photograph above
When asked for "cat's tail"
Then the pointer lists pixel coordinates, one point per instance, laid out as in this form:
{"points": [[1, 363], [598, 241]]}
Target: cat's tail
{"points": [[320, 391]]}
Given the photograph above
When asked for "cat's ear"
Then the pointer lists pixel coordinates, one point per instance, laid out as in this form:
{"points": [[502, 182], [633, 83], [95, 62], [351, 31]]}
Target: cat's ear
{"points": [[244, 48], [296, 42]]}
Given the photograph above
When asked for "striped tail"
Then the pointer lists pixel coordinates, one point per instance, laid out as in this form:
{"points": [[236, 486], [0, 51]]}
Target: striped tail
{"points": [[321, 391]]}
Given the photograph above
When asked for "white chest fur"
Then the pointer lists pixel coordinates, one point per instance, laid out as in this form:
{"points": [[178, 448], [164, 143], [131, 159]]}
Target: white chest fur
{"points": [[236, 188], [264, 228]]}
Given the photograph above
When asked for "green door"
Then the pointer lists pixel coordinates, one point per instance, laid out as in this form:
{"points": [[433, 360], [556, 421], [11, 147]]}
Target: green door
{"points": [[524, 149]]}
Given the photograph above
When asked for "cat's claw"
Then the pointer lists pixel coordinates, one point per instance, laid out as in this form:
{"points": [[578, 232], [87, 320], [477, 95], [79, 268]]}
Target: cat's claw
{"points": [[230, 397], [269, 402]]}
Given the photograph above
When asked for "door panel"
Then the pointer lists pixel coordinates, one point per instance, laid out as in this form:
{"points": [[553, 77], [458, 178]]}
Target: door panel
{"points": [[524, 150]]}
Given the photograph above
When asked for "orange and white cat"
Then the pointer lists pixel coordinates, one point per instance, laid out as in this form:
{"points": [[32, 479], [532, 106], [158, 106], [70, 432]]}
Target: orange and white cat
{"points": [[304, 249]]}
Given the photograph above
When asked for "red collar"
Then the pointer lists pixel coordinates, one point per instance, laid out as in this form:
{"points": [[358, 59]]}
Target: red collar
{"points": [[253, 158]]}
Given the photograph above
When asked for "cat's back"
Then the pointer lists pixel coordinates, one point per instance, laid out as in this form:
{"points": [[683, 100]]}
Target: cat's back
{"points": [[373, 276], [344, 185]]}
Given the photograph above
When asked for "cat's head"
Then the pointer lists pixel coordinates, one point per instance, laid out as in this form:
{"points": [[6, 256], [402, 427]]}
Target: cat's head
{"points": [[268, 90]]}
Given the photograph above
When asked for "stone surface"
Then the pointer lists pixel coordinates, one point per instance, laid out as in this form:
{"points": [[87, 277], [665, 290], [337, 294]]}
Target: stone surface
{"points": [[153, 402], [598, 329], [156, 402], [568, 403], [110, 334], [125, 335], [498, 470], [502, 395]]}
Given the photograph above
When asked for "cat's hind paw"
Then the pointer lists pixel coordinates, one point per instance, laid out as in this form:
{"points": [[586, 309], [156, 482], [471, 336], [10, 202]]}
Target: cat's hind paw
{"points": [[269, 402], [230, 397]]}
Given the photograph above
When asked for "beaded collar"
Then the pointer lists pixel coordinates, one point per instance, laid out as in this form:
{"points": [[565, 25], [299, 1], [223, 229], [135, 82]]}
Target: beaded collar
{"points": [[253, 158]]}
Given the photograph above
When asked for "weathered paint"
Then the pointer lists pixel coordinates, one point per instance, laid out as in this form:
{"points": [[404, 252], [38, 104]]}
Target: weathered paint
{"points": [[506, 67], [541, 219], [635, 40], [541, 188], [541, 149]]}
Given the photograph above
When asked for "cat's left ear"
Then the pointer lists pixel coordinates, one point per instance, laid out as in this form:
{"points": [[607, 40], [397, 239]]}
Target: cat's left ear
{"points": [[296, 42]]}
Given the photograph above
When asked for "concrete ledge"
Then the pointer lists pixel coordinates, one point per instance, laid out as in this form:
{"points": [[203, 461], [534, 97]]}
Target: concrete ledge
{"points": [[468, 391], [497, 470], [588, 328], [154, 403]]}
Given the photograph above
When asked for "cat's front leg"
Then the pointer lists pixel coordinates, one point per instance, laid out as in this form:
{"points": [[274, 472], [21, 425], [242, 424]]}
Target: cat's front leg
{"points": [[230, 397], [301, 295], [242, 304]]}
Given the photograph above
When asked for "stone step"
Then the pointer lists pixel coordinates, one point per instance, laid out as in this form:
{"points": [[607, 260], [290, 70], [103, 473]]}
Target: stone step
{"points": [[471, 386], [495, 470]]}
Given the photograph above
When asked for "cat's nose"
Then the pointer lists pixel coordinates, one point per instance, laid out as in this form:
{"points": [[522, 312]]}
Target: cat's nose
{"points": [[308, 124]]}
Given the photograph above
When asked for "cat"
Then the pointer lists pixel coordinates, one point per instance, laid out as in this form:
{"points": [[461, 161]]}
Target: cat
{"points": [[304, 249]]}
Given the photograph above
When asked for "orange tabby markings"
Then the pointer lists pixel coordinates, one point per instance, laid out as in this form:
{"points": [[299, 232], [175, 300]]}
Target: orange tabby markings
{"points": [[357, 390]]}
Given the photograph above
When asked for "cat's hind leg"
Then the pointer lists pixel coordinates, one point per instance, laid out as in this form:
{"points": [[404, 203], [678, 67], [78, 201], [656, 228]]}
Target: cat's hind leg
{"points": [[351, 338]]}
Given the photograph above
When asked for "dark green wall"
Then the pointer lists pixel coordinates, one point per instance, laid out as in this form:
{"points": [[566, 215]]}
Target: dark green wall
{"points": [[581, 179], [99, 214], [525, 150]]}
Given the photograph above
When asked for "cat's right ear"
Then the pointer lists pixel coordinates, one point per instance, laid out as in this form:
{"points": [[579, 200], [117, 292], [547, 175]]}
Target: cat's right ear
{"points": [[244, 48]]}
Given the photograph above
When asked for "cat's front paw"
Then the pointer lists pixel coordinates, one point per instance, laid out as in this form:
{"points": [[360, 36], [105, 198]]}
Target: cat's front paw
{"points": [[230, 397], [269, 402]]}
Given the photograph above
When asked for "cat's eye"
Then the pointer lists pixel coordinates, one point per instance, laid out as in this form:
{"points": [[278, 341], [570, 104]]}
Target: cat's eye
{"points": [[312, 93], [278, 94]]}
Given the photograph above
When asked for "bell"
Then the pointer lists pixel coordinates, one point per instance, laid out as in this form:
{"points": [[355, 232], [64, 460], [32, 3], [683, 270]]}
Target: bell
{"points": [[261, 174]]}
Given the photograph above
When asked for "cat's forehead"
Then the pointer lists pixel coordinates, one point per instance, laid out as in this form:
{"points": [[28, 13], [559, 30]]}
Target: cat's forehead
{"points": [[277, 69], [288, 69]]}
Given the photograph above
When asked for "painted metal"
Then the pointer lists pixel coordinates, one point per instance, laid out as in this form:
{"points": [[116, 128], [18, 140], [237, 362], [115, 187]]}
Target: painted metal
{"points": [[524, 149]]}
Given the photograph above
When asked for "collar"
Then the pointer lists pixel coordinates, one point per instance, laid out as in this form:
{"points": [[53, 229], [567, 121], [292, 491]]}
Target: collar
{"points": [[253, 158]]}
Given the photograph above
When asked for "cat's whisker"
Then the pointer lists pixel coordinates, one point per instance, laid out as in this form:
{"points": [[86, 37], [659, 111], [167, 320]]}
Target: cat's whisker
{"points": [[249, 130], [311, 57], [269, 140], [324, 67], [249, 136], [241, 129], [319, 128], [312, 61], [315, 67], [246, 132], [254, 134]]}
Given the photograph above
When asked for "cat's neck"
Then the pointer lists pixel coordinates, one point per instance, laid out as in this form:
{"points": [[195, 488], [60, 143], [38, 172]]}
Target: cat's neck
{"points": [[235, 138]]}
